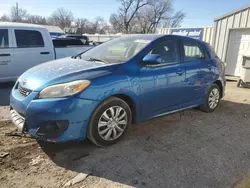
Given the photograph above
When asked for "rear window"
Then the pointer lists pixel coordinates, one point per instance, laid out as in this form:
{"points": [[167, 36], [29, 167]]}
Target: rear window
{"points": [[4, 38], [28, 39], [193, 51]]}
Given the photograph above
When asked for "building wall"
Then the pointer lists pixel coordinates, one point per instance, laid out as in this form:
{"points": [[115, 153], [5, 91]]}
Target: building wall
{"points": [[237, 19], [207, 34]]}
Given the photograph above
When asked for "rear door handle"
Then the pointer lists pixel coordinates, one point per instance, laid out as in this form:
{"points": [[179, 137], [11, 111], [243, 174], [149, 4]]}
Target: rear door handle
{"points": [[1, 55], [44, 53], [180, 72]]}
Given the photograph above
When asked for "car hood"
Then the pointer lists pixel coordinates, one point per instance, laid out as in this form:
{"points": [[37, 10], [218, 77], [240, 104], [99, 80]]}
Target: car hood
{"points": [[62, 70]]}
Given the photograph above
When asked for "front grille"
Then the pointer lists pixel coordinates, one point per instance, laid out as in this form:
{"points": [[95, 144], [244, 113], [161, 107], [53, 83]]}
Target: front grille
{"points": [[25, 92]]}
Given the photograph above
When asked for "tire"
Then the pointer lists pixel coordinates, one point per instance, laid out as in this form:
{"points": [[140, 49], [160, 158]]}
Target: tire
{"points": [[105, 126], [239, 83], [208, 105]]}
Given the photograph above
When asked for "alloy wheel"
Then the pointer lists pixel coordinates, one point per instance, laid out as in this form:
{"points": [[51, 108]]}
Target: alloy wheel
{"points": [[112, 123], [213, 99]]}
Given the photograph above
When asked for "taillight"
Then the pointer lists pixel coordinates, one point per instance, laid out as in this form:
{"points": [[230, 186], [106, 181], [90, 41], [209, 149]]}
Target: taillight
{"points": [[224, 66]]}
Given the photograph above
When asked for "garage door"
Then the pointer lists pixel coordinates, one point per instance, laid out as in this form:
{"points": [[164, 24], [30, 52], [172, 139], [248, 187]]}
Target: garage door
{"points": [[239, 45]]}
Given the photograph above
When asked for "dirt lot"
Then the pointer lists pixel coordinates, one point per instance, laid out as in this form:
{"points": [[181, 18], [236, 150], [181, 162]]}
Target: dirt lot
{"points": [[186, 149]]}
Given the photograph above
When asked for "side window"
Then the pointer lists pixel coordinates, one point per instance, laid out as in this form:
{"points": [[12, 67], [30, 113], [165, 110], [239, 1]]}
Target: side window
{"points": [[167, 50], [28, 38], [193, 51], [4, 38]]}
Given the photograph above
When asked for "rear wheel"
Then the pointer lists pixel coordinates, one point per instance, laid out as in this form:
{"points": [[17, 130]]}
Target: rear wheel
{"points": [[109, 122], [212, 99]]}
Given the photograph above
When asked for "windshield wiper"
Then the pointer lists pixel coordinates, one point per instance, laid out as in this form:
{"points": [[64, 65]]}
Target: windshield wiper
{"points": [[77, 56], [97, 59]]}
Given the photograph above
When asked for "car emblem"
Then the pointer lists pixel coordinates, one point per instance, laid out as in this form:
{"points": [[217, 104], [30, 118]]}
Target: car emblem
{"points": [[24, 81]]}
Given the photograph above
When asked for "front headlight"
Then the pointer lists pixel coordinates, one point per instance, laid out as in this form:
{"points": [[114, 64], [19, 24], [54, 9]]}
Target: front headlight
{"points": [[64, 90]]}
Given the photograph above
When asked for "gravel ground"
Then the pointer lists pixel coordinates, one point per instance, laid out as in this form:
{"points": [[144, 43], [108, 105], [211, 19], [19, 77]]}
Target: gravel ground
{"points": [[186, 149]]}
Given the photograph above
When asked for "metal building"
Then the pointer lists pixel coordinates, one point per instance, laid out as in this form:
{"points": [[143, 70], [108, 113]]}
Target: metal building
{"points": [[232, 38]]}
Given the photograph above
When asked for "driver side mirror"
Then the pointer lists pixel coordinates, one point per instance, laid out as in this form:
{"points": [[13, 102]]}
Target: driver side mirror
{"points": [[152, 59]]}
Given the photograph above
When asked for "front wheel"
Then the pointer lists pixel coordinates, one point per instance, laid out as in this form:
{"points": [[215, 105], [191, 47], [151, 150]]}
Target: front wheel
{"points": [[212, 99], [109, 122]]}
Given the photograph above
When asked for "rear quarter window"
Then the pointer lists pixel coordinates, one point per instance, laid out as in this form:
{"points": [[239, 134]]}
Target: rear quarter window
{"points": [[193, 51]]}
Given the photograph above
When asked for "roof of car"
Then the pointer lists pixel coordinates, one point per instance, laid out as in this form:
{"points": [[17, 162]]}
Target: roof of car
{"points": [[145, 36], [155, 36], [16, 24]]}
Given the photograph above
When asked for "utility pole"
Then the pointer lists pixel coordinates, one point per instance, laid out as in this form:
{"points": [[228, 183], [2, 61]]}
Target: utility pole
{"points": [[17, 11]]}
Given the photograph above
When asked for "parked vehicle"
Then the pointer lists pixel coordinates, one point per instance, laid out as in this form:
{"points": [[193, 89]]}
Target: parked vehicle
{"points": [[67, 42], [83, 38], [24, 46], [99, 93]]}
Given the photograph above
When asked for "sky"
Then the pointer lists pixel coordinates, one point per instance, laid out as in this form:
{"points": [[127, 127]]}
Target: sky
{"points": [[198, 12]]}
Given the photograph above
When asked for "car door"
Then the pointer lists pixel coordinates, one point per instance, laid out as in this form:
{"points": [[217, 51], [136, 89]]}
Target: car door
{"points": [[162, 84], [30, 50], [199, 71], [6, 54]]}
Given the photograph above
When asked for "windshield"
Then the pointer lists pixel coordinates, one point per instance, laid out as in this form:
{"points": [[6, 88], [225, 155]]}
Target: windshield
{"points": [[117, 50]]}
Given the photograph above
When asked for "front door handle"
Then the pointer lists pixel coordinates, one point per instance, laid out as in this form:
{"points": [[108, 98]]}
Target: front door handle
{"points": [[1, 55], [44, 53], [180, 72]]}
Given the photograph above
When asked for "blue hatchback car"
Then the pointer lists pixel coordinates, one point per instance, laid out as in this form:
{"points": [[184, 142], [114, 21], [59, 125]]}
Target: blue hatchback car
{"points": [[99, 93]]}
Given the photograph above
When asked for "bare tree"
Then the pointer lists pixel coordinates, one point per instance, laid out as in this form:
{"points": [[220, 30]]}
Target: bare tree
{"points": [[98, 25], [62, 18], [5, 18], [117, 23], [18, 14], [36, 19], [83, 25], [161, 10], [175, 20], [127, 12], [144, 16]]}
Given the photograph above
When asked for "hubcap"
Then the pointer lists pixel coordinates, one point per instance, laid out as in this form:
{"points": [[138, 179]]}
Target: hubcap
{"points": [[112, 123], [214, 98]]}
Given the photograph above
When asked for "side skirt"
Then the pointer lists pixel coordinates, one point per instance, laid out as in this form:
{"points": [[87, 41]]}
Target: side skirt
{"points": [[171, 112]]}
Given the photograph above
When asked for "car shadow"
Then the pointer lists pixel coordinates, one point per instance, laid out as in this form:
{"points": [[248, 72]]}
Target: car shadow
{"points": [[185, 149], [5, 90]]}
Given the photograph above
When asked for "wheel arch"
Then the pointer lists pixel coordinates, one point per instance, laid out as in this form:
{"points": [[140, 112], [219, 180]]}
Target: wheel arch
{"points": [[219, 83], [132, 105]]}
